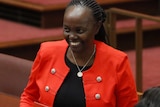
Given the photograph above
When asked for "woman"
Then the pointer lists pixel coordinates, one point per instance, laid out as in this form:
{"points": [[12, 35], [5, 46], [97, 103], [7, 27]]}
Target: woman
{"points": [[81, 71], [150, 98]]}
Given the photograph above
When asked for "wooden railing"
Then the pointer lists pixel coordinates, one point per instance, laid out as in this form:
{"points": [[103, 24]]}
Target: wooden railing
{"points": [[110, 26]]}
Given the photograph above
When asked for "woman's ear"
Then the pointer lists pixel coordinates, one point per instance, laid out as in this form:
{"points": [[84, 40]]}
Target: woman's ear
{"points": [[98, 26]]}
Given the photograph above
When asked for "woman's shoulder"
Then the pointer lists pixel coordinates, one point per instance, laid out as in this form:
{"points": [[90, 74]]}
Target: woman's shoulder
{"points": [[59, 43], [53, 46], [108, 50]]}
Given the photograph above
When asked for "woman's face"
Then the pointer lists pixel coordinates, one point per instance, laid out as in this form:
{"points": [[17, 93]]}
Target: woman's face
{"points": [[79, 28]]}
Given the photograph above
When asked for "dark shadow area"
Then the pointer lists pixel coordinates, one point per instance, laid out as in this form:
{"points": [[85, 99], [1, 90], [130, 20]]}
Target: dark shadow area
{"points": [[27, 52], [127, 41]]}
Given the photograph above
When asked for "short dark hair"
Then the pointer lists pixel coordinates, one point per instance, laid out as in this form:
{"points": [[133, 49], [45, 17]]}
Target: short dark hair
{"points": [[150, 98], [98, 13]]}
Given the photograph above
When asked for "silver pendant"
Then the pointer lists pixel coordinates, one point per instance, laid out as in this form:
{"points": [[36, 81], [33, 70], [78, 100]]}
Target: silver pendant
{"points": [[79, 74]]}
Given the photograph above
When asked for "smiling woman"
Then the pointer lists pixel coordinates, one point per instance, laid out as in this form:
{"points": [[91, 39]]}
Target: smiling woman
{"points": [[82, 70]]}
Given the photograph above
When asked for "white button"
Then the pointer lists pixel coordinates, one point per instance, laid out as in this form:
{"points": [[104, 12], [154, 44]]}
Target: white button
{"points": [[97, 96], [53, 71], [99, 79], [47, 88]]}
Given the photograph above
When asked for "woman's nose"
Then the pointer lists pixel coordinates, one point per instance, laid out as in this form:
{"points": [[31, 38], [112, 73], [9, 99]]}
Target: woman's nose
{"points": [[72, 35]]}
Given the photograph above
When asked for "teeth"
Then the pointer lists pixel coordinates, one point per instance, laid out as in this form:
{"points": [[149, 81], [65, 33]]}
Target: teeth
{"points": [[75, 43]]}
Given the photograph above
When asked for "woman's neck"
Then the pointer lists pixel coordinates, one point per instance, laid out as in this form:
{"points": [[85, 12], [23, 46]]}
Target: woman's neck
{"points": [[82, 58]]}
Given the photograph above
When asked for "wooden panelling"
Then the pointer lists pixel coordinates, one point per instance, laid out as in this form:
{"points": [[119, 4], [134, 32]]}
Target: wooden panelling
{"points": [[48, 15]]}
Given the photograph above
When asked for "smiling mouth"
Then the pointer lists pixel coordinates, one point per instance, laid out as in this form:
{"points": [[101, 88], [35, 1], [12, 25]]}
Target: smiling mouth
{"points": [[74, 43]]}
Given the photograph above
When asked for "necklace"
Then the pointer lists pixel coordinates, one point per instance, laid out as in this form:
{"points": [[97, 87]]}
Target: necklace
{"points": [[80, 74]]}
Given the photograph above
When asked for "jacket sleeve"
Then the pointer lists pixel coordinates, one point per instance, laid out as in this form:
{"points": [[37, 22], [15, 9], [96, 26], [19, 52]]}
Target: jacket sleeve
{"points": [[31, 92], [126, 89]]}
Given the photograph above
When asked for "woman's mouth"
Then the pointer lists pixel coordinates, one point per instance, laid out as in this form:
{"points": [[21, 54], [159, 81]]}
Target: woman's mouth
{"points": [[74, 43]]}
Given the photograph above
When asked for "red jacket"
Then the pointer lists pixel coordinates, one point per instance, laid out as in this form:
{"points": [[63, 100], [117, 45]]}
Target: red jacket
{"points": [[108, 83]]}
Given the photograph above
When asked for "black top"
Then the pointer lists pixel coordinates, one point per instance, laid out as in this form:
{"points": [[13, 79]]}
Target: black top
{"points": [[71, 92]]}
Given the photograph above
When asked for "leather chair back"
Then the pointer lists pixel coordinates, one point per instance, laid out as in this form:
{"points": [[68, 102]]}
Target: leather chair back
{"points": [[14, 73]]}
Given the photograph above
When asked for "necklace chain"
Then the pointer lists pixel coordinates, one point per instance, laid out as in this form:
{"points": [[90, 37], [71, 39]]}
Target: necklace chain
{"points": [[79, 74]]}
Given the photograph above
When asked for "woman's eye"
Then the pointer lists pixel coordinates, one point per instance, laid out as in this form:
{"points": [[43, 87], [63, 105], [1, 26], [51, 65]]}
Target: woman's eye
{"points": [[66, 29], [80, 31]]}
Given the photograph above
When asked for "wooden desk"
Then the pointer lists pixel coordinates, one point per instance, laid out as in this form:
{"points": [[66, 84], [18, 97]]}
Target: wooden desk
{"points": [[14, 34], [7, 100], [37, 14], [49, 5]]}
